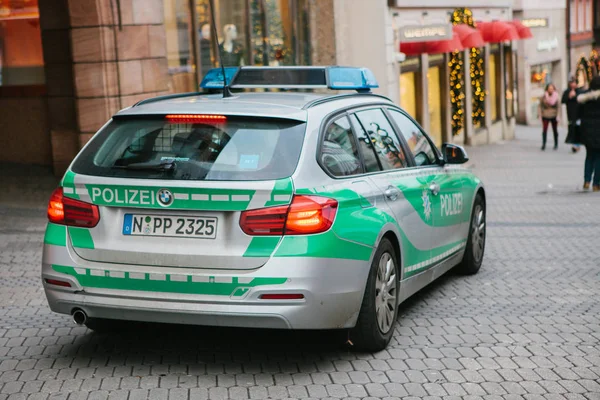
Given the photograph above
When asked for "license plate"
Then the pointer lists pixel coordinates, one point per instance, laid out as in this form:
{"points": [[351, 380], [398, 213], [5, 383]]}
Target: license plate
{"points": [[172, 226]]}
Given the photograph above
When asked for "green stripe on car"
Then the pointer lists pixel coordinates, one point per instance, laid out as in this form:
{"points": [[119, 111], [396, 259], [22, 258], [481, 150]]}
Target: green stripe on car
{"points": [[166, 283], [56, 235]]}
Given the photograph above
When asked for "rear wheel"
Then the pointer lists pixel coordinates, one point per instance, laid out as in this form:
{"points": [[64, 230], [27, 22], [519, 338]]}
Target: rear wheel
{"points": [[476, 242], [378, 312]]}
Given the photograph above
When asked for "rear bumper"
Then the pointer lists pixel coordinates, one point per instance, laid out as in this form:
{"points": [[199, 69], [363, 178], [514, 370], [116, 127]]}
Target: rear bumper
{"points": [[332, 290]]}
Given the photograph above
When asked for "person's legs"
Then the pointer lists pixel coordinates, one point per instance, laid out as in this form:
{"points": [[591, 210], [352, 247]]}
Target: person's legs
{"points": [[596, 169], [544, 132], [555, 132], [588, 169]]}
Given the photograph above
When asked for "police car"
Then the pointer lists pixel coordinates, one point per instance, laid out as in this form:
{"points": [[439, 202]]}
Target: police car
{"points": [[273, 209]]}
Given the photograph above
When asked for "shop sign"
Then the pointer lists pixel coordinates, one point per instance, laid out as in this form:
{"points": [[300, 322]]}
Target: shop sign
{"points": [[423, 33], [535, 22], [547, 45]]}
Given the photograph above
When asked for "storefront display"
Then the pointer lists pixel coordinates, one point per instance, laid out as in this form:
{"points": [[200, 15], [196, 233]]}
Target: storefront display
{"points": [[495, 83], [510, 83], [251, 32], [408, 86], [21, 58], [434, 99], [180, 54]]}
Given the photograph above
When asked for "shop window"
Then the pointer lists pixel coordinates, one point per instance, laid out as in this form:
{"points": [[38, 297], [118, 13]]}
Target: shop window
{"points": [[580, 15], [495, 85], [509, 82], [21, 57], [434, 103], [541, 75], [573, 16], [409, 86], [254, 32], [180, 45], [589, 12]]}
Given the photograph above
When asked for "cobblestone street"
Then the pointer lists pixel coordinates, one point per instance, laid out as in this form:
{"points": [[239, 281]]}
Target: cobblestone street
{"points": [[527, 326]]}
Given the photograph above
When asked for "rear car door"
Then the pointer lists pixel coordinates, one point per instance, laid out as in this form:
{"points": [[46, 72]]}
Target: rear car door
{"points": [[443, 187], [399, 186], [170, 190]]}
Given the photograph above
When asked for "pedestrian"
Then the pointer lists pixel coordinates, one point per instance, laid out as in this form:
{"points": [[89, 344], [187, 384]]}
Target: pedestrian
{"points": [[589, 112], [569, 98], [549, 110]]}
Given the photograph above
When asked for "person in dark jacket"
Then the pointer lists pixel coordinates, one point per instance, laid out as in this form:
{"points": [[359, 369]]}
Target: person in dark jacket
{"points": [[569, 98], [589, 113]]}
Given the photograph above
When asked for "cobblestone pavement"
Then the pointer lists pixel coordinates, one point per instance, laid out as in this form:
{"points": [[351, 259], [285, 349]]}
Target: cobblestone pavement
{"points": [[527, 326]]}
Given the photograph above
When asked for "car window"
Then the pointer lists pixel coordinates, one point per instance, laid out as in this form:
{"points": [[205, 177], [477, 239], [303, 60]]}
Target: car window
{"points": [[366, 147], [241, 148], [418, 144], [339, 154], [384, 139]]}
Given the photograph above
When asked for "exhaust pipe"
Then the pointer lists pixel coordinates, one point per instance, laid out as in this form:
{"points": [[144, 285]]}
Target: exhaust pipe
{"points": [[79, 317]]}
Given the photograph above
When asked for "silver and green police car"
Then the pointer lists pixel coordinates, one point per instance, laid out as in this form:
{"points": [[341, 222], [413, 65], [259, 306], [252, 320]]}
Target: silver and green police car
{"points": [[275, 209]]}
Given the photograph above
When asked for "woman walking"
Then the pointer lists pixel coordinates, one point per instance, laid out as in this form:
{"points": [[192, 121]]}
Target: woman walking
{"points": [[549, 109], [590, 133]]}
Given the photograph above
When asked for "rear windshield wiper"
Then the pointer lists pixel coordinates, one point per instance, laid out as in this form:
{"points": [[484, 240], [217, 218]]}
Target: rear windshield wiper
{"points": [[165, 165]]}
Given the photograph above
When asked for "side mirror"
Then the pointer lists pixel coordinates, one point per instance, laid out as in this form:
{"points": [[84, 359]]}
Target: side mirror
{"points": [[454, 154]]}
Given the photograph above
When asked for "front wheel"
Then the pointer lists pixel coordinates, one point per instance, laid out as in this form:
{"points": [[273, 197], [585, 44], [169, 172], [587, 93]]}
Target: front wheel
{"points": [[473, 257], [378, 312]]}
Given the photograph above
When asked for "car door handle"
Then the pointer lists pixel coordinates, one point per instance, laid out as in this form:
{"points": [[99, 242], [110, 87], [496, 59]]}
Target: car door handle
{"points": [[391, 193], [434, 188]]}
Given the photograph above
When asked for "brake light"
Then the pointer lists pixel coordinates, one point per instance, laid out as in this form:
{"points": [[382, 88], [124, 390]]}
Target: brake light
{"points": [[310, 214], [195, 118], [306, 215], [265, 221], [66, 211]]}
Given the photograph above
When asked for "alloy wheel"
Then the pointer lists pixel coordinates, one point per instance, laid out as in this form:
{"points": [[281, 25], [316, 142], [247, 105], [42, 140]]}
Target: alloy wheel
{"points": [[385, 292], [478, 233]]}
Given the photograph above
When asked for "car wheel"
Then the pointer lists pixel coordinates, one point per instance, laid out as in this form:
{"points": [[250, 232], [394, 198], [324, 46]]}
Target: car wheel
{"points": [[379, 309], [475, 249]]}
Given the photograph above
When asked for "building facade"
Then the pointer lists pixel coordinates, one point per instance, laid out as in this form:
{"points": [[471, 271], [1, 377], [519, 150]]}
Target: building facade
{"points": [[433, 86], [67, 65], [580, 35], [543, 59]]}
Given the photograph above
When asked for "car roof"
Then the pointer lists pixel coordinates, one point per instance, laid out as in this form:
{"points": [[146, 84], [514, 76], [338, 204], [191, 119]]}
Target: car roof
{"points": [[282, 105]]}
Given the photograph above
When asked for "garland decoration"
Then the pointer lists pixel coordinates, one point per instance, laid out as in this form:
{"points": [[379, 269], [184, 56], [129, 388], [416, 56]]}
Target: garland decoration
{"points": [[477, 73]]}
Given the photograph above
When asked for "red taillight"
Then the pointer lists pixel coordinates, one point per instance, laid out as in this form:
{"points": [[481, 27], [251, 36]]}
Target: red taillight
{"points": [[306, 215], [56, 282], [310, 214], [282, 296], [265, 221], [66, 211], [195, 118]]}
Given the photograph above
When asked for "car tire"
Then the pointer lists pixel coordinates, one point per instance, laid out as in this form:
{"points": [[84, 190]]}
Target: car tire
{"points": [[379, 309], [475, 249]]}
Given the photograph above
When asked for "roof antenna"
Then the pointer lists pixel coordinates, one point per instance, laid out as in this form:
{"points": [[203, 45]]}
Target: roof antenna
{"points": [[226, 91]]}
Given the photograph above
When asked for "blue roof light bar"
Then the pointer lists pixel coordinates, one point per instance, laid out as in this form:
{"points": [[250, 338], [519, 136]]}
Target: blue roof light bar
{"points": [[214, 78], [332, 77]]}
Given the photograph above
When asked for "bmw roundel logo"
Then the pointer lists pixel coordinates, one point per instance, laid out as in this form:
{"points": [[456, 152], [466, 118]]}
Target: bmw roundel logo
{"points": [[165, 197]]}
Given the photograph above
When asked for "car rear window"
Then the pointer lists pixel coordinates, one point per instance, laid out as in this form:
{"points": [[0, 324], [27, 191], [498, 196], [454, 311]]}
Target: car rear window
{"points": [[240, 148]]}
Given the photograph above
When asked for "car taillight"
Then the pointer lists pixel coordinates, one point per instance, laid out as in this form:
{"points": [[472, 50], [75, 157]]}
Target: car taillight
{"points": [[265, 221], [66, 211], [306, 215]]}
